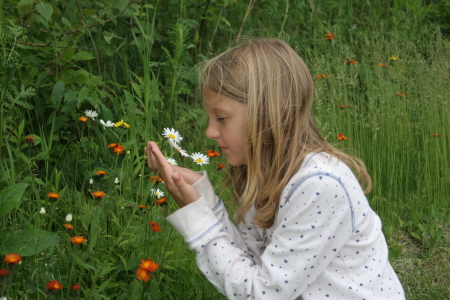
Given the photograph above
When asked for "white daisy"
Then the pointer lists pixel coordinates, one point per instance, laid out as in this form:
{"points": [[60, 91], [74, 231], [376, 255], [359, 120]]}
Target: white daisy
{"points": [[158, 193], [116, 181], [171, 161], [91, 114], [91, 181], [178, 148], [200, 159], [172, 135], [69, 218], [107, 123], [42, 211]]}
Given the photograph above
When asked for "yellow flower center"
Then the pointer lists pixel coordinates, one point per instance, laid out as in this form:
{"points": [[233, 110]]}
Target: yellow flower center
{"points": [[171, 136], [199, 160]]}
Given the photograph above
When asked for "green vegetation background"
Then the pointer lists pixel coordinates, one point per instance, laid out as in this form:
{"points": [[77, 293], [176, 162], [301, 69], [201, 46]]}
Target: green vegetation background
{"points": [[136, 61]]}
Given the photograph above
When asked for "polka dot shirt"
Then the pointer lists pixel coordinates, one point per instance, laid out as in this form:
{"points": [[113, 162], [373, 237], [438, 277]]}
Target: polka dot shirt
{"points": [[326, 241]]}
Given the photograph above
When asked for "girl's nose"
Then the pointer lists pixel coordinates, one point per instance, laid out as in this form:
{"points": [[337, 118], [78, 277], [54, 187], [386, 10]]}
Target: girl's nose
{"points": [[211, 132]]}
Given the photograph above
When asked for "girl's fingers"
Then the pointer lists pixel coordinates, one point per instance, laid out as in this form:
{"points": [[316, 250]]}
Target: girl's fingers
{"points": [[187, 192]]}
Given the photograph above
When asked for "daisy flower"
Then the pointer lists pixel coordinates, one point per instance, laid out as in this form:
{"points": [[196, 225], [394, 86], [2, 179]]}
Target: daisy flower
{"points": [[107, 123], [68, 218], [116, 181], [121, 123], [178, 148], [42, 211], [91, 114], [200, 159], [172, 135], [171, 161], [158, 193]]}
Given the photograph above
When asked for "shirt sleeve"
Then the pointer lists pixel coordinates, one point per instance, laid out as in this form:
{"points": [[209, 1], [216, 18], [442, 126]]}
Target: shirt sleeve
{"points": [[313, 225]]}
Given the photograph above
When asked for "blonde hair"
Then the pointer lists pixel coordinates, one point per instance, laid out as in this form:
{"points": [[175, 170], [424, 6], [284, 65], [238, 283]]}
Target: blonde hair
{"points": [[274, 82]]}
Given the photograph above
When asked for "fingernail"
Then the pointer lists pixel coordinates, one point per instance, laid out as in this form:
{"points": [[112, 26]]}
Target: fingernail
{"points": [[175, 176]]}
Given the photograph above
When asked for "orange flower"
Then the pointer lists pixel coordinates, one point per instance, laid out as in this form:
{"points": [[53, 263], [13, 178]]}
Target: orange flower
{"points": [[341, 106], [161, 201], [350, 62], [4, 272], [342, 137], [119, 149], [436, 134], [447, 77], [400, 94], [53, 195], [155, 226], [54, 285], [30, 139], [143, 275], [68, 226], [220, 167], [101, 173], [83, 119], [13, 259], [98, 194], [78, 240], [156, 178], [113, 145], [382, 65], [149, 265], [329, 36], [321, 76], [142, 206], [75, 287], [212, 153]]}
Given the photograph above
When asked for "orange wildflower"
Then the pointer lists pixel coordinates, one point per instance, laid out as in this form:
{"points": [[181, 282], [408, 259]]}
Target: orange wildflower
{"points": [[30, 139], [155, 226], [75, 287], [113, 145], [68, 226], [83, 119], [342, 106], [4, 272], [54, 285], [382, 65], [53, 195], [436, 134], [329, 36], [13, 259], [342, 137], [119, 149], [161, 201], [400, 94], [149, 265], [212, 153], [101, 173], [142, 206], [156, 178], [78, 240], [321, 76], [220, 167], [447, 77], [143, 275], [98, 194], [350, 62]]}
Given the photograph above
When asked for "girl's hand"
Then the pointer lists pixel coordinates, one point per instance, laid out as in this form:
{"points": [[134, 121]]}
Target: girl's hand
{"points": [[178, 181]]}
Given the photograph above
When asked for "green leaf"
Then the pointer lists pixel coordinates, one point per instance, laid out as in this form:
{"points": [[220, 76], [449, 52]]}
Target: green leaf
{"points": [[27, 242], [24, 2], [84, 55], [45, 9], [79, 261], [58, 92], [10, 196]]}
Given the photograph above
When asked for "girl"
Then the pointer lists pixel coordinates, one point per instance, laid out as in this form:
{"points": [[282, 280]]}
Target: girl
{"points": [[305, 228]]}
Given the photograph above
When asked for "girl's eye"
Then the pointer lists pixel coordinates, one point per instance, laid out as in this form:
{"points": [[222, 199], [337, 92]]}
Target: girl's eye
{"points": [[220, 119]]}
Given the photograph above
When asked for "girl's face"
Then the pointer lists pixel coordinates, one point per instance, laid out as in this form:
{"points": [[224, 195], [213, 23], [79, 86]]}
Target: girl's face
{"points": [[227, 125]]}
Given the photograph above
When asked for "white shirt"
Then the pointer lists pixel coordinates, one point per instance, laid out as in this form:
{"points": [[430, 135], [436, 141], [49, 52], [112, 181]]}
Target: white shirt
{"points": [[326, 242]]}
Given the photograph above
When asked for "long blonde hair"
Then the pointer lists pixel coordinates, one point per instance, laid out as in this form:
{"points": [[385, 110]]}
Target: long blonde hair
{"points": [[274, 82]]}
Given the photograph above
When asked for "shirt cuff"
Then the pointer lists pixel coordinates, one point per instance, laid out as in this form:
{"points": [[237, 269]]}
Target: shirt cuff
{"points": [[205, 188], [194, 220]]}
